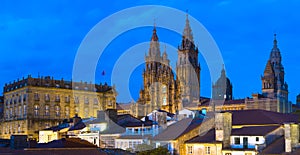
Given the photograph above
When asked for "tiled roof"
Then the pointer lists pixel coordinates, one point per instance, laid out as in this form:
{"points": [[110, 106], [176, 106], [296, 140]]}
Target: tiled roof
{"points": [[58, 127], [61, 151], [253, 131], [261, 117], [168, 113], [134, 137], [128, 120], [208, 137], [95, 121], [67, 143], [178, 129], [277, 147], [113, 128], [78, 126]]}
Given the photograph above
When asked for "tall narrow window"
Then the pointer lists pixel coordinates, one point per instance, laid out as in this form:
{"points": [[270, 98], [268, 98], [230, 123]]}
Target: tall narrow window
{"points": [[164, 95], [36, 97], [76, 99], [190, 149], [47, 110], [86, 112], [36, 110], [95, 101], [47, 97], [24, 98], [20, 111], [67, 99], [207, 150], [57, 110], [76, 110], [57, 98], [25, 110], [86, 100], [67, 111]]}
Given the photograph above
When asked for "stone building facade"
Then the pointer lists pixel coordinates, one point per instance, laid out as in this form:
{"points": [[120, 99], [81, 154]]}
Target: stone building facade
{"points": [[32, 104]]}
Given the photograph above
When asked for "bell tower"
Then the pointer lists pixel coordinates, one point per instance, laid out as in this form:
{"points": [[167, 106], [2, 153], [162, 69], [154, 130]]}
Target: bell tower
{"points": [[273, 83], [188, 68]]}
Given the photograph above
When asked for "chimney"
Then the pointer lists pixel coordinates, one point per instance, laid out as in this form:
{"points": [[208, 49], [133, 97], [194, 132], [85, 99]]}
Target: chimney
{"points": [[108, 115], [112, 115], [76, 119], [291, 136], [223, 125]]}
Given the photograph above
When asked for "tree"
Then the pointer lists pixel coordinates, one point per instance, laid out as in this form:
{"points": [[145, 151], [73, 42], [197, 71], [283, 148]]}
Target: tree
{"points": [[157, 151]]}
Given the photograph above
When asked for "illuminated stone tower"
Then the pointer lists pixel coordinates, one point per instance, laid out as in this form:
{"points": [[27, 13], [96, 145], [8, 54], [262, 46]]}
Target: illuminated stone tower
{"points": [[160, 89], [188, 68], [273, 83]]}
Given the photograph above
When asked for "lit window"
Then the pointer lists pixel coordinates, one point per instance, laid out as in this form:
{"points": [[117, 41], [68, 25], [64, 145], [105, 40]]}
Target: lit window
{"points": [[109, 103], [57, 98], [76, 110], [36, 110], [67, 99], [57, 109], [76, 99], [67, 111], [86, 100], [207, 150], [86, 112], [190, 149], [25, 110], [47, 110], [47, 97], [95, 101]]}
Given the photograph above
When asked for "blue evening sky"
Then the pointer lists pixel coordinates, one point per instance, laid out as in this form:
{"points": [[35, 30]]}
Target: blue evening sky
{"points": [[42, 37]]}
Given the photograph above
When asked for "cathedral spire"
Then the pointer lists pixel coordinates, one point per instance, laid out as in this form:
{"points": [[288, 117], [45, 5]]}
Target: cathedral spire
{"points": [[187, 32], [154, 35], [275, 41], [223, 74], [154, 50]]}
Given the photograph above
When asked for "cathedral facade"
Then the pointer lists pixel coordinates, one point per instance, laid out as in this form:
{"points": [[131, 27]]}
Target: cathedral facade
{"points": [[161, 88]]}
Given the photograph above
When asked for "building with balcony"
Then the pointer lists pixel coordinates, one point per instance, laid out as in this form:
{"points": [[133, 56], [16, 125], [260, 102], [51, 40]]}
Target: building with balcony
{"points": [[32, 104]]}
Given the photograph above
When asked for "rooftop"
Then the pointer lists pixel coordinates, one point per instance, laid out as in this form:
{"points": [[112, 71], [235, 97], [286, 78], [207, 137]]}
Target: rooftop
{"points": [[261, 117], [277, 147], [48, 81], [208, 137], [253, 131], [178, 129]]}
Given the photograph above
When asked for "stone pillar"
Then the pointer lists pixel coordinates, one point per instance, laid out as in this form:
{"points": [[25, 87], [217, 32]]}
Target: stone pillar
{"points": [[223, 125], [291, 136]]}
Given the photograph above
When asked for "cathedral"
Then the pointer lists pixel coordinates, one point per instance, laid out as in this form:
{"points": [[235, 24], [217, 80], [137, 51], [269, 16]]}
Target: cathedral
{"points": [[161, 88]]}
